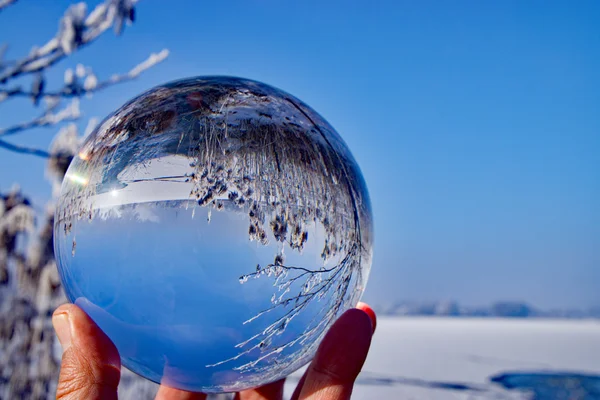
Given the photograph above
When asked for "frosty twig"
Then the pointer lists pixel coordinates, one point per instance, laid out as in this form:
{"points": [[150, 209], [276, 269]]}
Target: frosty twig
{"points": [[29, 282]]}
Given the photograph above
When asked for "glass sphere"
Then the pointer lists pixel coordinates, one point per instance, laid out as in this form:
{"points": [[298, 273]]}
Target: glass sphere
{"points": [[214, 228]]}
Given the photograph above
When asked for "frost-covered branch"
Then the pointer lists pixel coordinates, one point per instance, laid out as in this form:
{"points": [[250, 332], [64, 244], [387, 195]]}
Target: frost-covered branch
{"points": [[86, 83], [29, 282], [6, 3], [73, 88], [315, 285], [48, 118], [76, 29]]}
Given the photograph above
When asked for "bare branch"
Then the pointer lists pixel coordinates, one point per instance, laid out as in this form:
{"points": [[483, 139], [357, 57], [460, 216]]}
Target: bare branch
{"points": [[23, 149]]}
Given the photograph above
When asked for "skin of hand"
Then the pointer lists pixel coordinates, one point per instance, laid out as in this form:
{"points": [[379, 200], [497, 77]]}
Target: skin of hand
{"points": [[91, 366]]}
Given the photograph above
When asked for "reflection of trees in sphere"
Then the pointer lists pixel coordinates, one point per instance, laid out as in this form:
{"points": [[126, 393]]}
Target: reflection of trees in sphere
{"points": [[214, 228]]}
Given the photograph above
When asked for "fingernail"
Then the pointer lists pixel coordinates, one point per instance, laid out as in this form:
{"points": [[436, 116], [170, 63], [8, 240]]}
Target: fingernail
{"points": [[367, 309], [63, 329]]}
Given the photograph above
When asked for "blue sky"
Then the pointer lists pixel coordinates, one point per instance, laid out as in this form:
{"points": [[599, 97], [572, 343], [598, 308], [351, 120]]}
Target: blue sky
{"points": [[476, 124]]}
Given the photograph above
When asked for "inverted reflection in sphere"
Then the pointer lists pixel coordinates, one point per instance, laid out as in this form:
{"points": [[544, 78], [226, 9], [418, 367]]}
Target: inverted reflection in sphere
{"points": [[214, 228]]}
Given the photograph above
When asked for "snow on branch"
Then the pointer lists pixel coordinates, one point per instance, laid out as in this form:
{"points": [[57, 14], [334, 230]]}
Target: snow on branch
{"points": [[76, 29], [70, 113], [29, 282], [20, 218], [49, 118], [84, 81], [151, 61], [6, 3]]}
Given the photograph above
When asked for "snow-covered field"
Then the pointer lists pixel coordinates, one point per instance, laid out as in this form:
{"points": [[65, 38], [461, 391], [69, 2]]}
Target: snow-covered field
{"points": [[455, 358]]}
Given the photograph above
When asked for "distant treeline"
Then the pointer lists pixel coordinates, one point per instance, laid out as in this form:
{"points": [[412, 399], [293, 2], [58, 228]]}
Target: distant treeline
{"points": [[506, 309]]}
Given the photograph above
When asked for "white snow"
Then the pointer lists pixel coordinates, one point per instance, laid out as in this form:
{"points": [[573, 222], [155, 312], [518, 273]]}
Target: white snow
{"points": [[417, 358]]}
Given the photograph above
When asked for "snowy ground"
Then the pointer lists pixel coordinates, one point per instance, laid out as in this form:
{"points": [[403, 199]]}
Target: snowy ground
{"points": [[445, 358]]}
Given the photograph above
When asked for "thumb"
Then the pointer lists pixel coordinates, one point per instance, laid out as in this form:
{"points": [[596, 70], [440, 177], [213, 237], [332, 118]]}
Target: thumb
{"points": [[91, 367]]}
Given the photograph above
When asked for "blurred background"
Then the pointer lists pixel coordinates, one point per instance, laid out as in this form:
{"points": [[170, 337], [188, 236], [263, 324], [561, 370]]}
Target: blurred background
{"points": [[476, 127]]}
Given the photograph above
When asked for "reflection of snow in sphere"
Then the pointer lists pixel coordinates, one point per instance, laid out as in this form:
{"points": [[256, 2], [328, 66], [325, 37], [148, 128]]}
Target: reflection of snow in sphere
{"points": [[214, 228]]}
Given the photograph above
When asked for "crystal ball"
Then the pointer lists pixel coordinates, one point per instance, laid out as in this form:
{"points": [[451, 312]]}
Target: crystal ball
{"points": [[214, 228]]}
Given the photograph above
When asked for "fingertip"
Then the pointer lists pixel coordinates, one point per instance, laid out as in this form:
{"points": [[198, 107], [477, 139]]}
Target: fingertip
{"points": [[62, 321], [85, 334], [64, 309], [370, 312], [169, 393], [90, 366], [355, 316], [270, 391], [345, 346], [340, 357], [62, 327]]}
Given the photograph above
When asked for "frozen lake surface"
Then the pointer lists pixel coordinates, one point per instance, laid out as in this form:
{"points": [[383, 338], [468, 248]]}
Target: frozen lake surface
{"points": [[457, 358]]}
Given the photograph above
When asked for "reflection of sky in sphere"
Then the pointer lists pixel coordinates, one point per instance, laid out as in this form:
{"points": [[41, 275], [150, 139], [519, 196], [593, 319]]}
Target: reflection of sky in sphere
{"points": [[203, 313], [214, 229]]}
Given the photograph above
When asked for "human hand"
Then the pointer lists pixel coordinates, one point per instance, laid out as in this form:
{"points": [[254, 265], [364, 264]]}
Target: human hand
{"points": [[91, 366]]}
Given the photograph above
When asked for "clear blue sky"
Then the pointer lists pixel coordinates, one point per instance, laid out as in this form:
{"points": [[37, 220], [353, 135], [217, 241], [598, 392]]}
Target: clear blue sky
{"points": [[476, 124]]}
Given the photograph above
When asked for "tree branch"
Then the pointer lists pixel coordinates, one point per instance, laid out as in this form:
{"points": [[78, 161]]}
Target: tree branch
{"points": [[71, 112], [6, 3], [28, 273], [90, 85], [76, 31], [48, 118], [24, 150]]}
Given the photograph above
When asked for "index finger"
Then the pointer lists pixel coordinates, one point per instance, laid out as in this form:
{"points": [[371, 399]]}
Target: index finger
{"points": [[168, 393], [339, 359]]}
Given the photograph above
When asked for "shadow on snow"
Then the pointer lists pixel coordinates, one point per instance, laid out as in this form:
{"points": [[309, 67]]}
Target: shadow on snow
{"points": [[537, 385]]}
